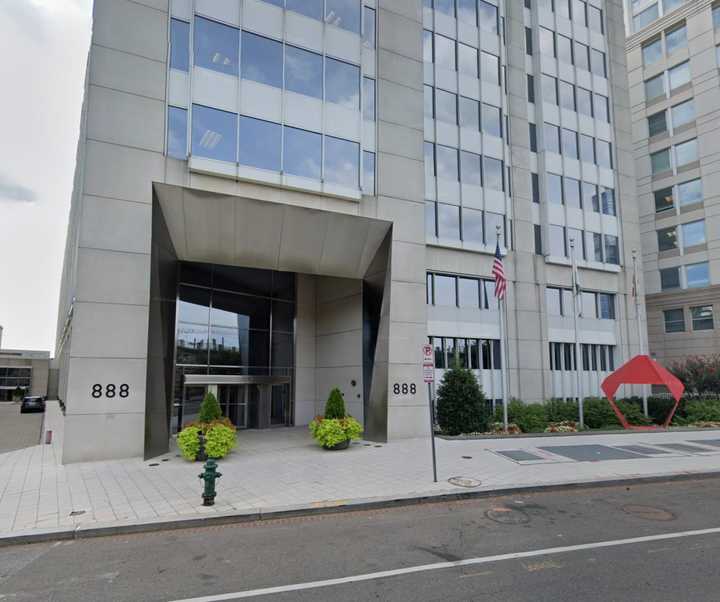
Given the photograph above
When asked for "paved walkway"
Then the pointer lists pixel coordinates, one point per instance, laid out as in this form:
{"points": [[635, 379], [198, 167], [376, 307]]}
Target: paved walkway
{"points": [[18, 430], [283, 468]]}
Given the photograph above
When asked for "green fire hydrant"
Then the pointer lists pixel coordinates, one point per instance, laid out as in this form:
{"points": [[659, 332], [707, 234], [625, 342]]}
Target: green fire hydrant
{"points": [[209, 475]]}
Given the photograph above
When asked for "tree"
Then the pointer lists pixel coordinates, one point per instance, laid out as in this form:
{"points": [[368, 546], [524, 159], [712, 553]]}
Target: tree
{"points": [[335, 405], [210, 408], [461, 406]]}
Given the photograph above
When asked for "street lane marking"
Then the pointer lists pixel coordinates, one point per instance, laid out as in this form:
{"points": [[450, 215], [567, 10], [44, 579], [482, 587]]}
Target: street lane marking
{"points": [[281, 589]]}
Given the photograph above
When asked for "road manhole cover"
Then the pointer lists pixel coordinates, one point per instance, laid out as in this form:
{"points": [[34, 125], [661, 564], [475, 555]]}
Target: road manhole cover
{"points": [[648, 512], [464, 482], [508, 516]]}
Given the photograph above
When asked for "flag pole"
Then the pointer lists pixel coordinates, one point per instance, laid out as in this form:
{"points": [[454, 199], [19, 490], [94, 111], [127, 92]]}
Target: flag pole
{"points": [[639, 326], [578, 359], [503, 355]]}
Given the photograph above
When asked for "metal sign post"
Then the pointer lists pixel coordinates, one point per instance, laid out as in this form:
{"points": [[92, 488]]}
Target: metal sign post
{"points": [[429, 378]]}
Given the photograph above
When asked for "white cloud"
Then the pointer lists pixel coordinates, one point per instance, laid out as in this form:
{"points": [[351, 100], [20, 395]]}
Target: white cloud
{"points": [[12, 191]]}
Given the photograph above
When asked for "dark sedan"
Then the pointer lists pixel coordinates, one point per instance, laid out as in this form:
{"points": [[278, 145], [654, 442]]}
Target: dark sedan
{"points": [[35, 403]]}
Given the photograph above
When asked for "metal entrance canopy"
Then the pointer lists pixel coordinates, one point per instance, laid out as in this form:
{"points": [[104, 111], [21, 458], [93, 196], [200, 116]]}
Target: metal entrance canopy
{"points": [[234, 379]]}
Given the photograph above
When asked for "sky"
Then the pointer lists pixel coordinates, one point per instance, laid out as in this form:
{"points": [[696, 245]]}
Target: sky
{"points": [[44, 47]]}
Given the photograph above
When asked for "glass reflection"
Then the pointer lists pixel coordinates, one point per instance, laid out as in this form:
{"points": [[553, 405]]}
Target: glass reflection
{"points": [[342, 83], [309, 8], [303, 72], [214, 134], [262, 59], [260, 143], [179, 45], [177, 133], [342, 162], [344, 14], [302, 153], [217, 46]]}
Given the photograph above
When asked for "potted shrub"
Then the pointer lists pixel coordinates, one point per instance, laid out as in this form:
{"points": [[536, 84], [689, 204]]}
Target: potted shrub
{"points": [[335, 429], [212, 436]]}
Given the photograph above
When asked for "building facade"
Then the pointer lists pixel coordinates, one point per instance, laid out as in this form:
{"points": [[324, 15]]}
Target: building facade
{"points": [[276, 197], [673, 59], [23, 372]]}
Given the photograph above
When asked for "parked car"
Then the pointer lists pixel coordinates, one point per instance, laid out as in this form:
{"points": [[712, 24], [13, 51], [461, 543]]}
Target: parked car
{"points": [[32, 403]]}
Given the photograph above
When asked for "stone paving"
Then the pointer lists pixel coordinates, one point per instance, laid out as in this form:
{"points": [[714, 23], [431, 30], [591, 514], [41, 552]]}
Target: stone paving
{"points": [[283, 468], [18, 430]]}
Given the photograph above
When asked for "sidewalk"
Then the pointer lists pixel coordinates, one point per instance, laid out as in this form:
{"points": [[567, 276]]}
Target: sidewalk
{"points": [[282, 469]]}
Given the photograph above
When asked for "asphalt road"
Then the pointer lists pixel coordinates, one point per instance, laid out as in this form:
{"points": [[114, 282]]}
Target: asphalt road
{"points": [[501, 549], [18, 430]]}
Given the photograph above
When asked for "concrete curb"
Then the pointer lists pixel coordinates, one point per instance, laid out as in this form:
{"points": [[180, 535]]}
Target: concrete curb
{"points": [[362, 504], [619, 431]]}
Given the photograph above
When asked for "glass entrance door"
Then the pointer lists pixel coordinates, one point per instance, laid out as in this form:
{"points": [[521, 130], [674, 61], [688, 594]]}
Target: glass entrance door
{"points": [[280, 405], [234, 403]]}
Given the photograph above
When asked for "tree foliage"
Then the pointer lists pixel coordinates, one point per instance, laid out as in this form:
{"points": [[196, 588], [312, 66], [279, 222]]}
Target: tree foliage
{"points": [[461, 406]]}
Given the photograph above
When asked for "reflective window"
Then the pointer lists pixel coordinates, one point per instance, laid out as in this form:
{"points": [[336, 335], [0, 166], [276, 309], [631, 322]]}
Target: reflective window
{"points": [[445, 52], [564, 49], [467, 11], [427, 46], [533, 137], [535, 186], [569, 143], [552, 301], [683, 113], [595, 21], [608, 201], [342, 162], [445, 106], [488, 16], [469, 113], [597, 62], [303, 72], [491, 120], [260, 143], [657, 124], [490, 68], [595, 246], [214, 134], [492, 221], [575, 243], [645, 17], [652, 51], [579, 12], [676, 39], [429, 110], [663, 199], [582, 56], [557, 241], [655, 87], [430, 221], [262, 59], [429, 159], [531, 88], [309, 8], [552, 138], [667, 239], [567, 95], [468, 292], [588, 305], [698, 275], [679, 75], [547, 42], [571, 193], [528, 41], [448, 218], [604, 154], [472, 226], [470, 168], [702, 317], [590, 196], [554, 189], [368, 172], [217, 46], [445, 6], [669, 5], [343, 13], [660, 161], [563, 8], [674, 320], [369, 32], [587, 148], [444, 288], [606, 306], [549, 89], [492, 173], [302, 152], [467, 60], [602, 107], [342, 83], [368, 99], [179, 45], [693, 233], [687, 152], [446, 159], [669, 278], [584, 101], [690, 192], [177, 133], [612, 251]]}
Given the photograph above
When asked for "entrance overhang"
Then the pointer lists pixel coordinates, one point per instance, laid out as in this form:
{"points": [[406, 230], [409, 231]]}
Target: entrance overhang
{"points": [[235, 379]]}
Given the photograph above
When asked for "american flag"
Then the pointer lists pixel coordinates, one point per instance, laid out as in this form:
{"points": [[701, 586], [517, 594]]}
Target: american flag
{"points": [[498, 271]]}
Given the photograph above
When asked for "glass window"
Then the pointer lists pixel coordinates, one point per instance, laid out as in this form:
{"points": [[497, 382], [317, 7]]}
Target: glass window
{"points": [[177, 133], [663, 199], [533, 137], [667, 239], [303, 72], [567, 95], [538, 239], [652, 51], [657, 124], [602, 107], [469, 113], [429, 159], [582, 56], [603, 153], [686, 152], [698, 275], [468, 292], [669, 5], [468, 60], [693, 233], [368, 172], [430, 220], [472, 226], [595, 21], [690, 192], [217, 46], [595, 247], [597, 62], [445, 6], [343, 13], [309, 8], [470, 168], [549, 89], [606, 306], [428, 99], [683, 113], [547, 42], [302, 153], [564, 49], [535, 186], [575, 243], [588, 308], [554, 189], [446, 160], [612, 251], [530, 88], [552, 138], [679, 75], [427, 46], [492, 221], [569, 143], [552, 301], [590, 197], [179, 45], [214, 134], [369, 99], [660, 161], [645, 17], [716, 17], [655, 87], [584, 101], [563, 8], [467, 11], [262, 59], [492, 173], [587, 148], [445, 106], [669, 278], [444, 287], [674, 320], [260, 143], [571, 192], [491, 121], [676, 39], [608, 201], [369, 34], [490, 68], [488, 16], [557, 241], [342, 83], [579, 12], [445, 52], [702, 317], [448, 218], [342, 162]]}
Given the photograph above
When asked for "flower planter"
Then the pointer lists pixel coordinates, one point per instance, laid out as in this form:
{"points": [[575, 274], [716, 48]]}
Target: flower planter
{"points": [[338, 446]]}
